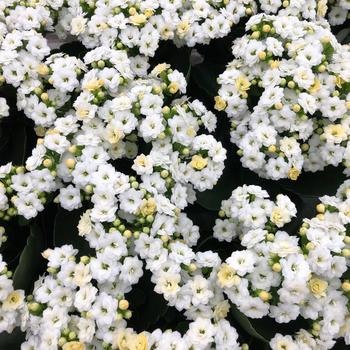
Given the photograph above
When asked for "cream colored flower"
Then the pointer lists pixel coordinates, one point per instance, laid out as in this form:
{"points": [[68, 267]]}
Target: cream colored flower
{"points": [[78, 25], [13, 301], [85, 225]]}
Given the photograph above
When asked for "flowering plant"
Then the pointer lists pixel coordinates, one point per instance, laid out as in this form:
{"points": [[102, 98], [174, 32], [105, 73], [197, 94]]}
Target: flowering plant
{"points": [[173, 175]]}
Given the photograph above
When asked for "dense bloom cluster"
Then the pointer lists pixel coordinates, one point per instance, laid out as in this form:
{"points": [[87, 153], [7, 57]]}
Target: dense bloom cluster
{"points": [[91, 291], [251, 216], [132, 25], [339, 12], [284, 276], [308, 9], [20, 54], [91, 116], [12, 301], [119, 138], [287, 96]]}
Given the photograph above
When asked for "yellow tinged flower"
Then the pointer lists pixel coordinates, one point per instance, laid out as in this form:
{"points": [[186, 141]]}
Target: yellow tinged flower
{"points": [[173, 87], [198, 162], [85, 225], [102, 25], [73, 345], [122, 340], [272, 148], [132, 11], [277, 216], [13, 300], [149, 13], [293, 173], [220, 103], [182, 28], [82, 113], [138, 19], [159, 68], [337, 131], [221, 310], [226, 276], [70, 163], [318, 287], [129, 341], [52, 132], [43, 69], [114, 135], [141, 160], [315, 87], [339, 81], [322, 8], [190, 131], [264, 296], [123, 304], [141, 341], [262, 55], [93, 84], [148, 206], [242, 84], [274, 64]]}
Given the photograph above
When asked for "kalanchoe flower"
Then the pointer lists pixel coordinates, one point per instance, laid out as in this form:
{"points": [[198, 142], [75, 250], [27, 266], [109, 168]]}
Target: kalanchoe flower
{"points": [[283, 276], [286, 94], [137, 27]]}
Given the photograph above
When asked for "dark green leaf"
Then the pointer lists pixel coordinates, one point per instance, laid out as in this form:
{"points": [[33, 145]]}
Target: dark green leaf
{"points": [[22, 221], [205, 75], [177, 57], [19, 143], [317, 184], [182, 327], [11, 341], [4, 138], [66, 231], [30, 261], [246, 324], [147, 306], [211, 199]]}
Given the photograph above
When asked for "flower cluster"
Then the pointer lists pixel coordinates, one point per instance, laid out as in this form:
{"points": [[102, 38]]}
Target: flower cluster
{"points": [[131, 25], [339, 12], [20, 54], [83, 301], [307, 9], [119, 139], [12, 301], [252, 217], [287, 96], [284, 276], [93, 112]]}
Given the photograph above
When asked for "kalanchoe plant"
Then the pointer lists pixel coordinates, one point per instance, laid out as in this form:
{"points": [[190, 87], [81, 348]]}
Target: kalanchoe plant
{"points": [[126, 220], [287, 96]]}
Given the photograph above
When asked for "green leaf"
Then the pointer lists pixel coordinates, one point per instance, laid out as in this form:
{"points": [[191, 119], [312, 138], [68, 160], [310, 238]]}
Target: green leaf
{"points": [[211, 199], [18, 143], [246, 324], [205, 75], [30, 262], [320, 183], [74, 48], [182, 327], [188, 73], [11, 341], [66, 231], [4, 138], [147, 306]]}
